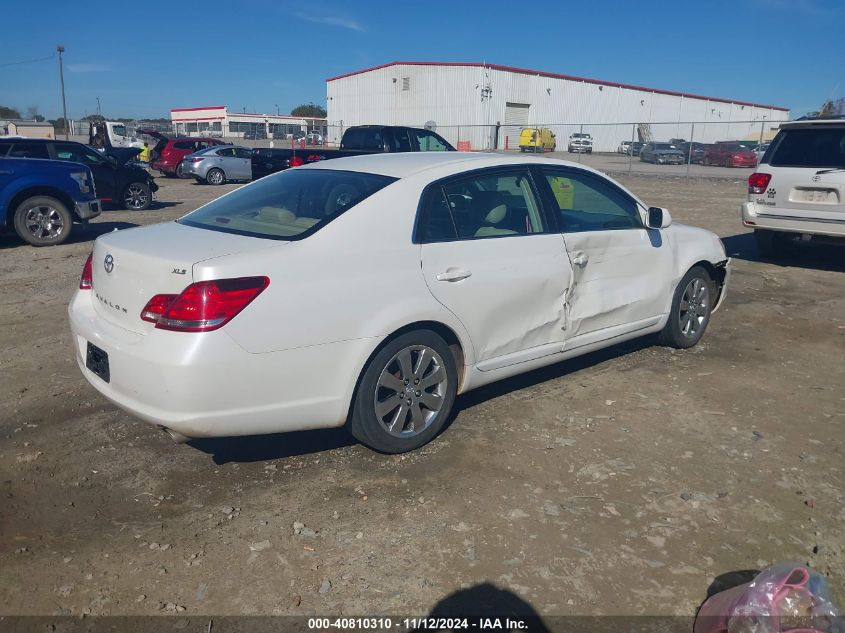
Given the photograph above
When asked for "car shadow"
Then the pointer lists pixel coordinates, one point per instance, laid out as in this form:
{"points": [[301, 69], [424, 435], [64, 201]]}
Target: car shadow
{"points": [[550, 372], [158, 204], [827, 257], [79, 235], [259, 448]]}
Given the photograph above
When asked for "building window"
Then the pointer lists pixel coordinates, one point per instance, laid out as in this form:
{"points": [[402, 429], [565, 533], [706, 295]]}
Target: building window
{"points": [[406, 83], [191, 127]]}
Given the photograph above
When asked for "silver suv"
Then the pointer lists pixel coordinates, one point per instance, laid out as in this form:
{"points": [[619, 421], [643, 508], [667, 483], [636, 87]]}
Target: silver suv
{"points": [[798, 190]]}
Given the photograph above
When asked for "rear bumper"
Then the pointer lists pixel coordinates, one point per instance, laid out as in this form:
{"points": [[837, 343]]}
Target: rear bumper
{"points": [[206, 385], [777, 219], [160, 165], [89, 209]]}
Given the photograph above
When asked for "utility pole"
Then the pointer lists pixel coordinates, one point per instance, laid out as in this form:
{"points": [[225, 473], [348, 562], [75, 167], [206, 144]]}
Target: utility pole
{"points": [[98, 107], [277, 109], [61, 49]]}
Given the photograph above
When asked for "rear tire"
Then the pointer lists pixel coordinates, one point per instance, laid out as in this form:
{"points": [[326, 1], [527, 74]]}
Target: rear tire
{"points": [[416, 370], [43, 221], [692, 305], [180, 171]]}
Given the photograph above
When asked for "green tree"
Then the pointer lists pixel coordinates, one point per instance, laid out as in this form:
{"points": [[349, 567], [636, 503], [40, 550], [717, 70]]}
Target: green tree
{"points": [[309, 110], [9, 113]]}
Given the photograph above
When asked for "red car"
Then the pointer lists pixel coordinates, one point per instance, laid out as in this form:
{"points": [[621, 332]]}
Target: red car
{"points": [[729, 154], [166, 156]]}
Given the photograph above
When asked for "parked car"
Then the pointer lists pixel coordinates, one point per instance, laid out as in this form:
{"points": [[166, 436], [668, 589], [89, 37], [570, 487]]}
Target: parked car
{"points": [[357, 140], [759, 150], [256, 134], [259, 333], [693, 152], [661, 154], [580, 142], [119, 180], [41, 199], [798, 190], [219, 164], [314, 138], [168, 153], [624, 147], [729, 154], [532, 139], [636, 148]]}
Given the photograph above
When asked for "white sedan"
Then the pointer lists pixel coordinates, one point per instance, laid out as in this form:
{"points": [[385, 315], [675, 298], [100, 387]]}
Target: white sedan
{"points": [[371, 291]]}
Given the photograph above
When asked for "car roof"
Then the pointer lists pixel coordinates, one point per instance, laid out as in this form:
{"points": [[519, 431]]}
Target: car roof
{"points": [[813, 123], [402, 165]]}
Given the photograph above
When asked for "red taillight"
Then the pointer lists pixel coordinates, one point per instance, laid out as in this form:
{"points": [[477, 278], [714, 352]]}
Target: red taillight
{"points": [[296, 161], [206, 305], [156, 307], [757, 182], [86, 281]]}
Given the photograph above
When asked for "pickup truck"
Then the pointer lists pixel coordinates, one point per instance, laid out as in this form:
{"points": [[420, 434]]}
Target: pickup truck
{"points": [[41, 199], [361, 139]]}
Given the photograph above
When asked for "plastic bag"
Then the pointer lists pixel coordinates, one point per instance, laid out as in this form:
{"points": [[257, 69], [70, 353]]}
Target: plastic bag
{"points": [[784, 597]]}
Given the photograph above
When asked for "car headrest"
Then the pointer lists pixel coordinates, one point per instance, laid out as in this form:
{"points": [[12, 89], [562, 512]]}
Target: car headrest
{"points": [[279, 215], [496, 214]]}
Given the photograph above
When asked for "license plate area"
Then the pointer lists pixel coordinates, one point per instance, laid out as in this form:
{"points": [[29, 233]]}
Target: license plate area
{"points": [[817, 195], [97, 361]]}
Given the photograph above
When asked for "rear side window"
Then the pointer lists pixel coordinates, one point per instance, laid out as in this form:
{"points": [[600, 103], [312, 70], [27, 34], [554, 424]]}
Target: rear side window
{"points": [[289, 205], [29, 150], [183, 145], [363, 138], [808, 147], [226, 151]]}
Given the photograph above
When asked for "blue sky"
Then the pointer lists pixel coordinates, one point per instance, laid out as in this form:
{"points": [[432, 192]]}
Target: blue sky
{"points": [[143, 59]]}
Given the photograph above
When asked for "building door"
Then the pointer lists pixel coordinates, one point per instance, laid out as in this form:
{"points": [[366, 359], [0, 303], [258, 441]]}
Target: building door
{"points": [[516, 118]]}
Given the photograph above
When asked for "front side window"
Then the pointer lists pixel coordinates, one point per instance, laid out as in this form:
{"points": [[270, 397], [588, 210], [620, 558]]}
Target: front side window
{"points": [[243, 152], [820, 147], [587, 203], [425, 141], [289, 205], [29, 150], [493, 204]]}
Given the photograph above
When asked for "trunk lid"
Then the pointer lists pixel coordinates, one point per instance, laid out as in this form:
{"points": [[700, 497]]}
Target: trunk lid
{"points": [[131, 266]]}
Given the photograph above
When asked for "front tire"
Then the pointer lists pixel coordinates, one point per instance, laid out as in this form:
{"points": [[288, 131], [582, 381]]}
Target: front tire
{"points": [[215, 177], [43, 221], [406, 393], [137, 196], [692, 305]]}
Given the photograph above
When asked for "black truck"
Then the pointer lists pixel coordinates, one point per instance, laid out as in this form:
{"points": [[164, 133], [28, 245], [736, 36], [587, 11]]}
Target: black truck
{"points": [[358, 140]]}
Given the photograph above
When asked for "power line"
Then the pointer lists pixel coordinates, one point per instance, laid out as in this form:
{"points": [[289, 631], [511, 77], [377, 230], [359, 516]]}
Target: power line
{"points": [[27, 61]]}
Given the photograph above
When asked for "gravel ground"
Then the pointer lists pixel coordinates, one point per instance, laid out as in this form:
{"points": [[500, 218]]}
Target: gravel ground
{"points": [[624, 482]]}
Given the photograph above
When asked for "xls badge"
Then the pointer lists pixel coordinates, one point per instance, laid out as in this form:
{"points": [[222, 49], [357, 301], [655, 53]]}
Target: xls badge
{"points": [[108, 263]]}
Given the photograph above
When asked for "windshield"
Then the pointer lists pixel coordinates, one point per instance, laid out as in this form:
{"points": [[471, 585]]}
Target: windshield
{"points": [[119, 130], [663, 146], [289, 205], [808, 147]]}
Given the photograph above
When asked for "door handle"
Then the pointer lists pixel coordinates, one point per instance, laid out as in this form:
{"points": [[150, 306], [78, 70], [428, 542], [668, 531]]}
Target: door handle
{"points": [[454, 275], [580, 259]]}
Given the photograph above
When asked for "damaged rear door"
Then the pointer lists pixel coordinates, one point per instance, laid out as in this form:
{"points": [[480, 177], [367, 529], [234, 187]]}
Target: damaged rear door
{"points": [[489, 256], [622, 272]]}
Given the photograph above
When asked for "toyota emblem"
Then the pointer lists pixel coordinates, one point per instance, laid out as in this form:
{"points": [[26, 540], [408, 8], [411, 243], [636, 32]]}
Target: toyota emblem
{"points": [[108, 263]]}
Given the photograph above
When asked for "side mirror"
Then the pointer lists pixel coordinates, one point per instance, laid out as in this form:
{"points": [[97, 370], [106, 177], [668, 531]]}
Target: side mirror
{"points": [[658, 218]]}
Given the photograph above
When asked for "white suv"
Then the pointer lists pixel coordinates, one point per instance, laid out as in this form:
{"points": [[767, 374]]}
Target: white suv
{"points": [[580, 142], [798, 190]]}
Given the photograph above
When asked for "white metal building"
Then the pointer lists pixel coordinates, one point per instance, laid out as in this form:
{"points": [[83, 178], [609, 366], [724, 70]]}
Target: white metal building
{"points": [[483, 106], [218, 121]]}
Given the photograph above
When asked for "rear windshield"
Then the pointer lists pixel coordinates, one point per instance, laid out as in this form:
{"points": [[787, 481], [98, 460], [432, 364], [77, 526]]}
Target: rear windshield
{"points": [[808, 147], [289, 205], [663, 146]]}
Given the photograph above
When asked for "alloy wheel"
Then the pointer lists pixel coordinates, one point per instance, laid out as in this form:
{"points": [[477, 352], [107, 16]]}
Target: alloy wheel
{"points": [[135, 197], [44, 222], [694, 308], [411, 390]]}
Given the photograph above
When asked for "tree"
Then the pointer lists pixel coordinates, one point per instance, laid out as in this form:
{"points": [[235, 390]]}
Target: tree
{"points": [[831, 107], [9, 113], [309, 110], [32, 113]]}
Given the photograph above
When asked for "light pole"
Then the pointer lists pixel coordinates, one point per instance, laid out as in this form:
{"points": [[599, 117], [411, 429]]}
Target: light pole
{"points": [[98, 107], [277, 109], [61, 49]]}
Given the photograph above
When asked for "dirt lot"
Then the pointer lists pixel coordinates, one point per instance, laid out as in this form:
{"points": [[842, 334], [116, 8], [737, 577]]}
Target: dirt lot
{"points": [[621, 483]]}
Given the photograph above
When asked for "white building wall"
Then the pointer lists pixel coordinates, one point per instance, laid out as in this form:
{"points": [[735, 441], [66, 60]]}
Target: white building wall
{"points": [[451, 96]]}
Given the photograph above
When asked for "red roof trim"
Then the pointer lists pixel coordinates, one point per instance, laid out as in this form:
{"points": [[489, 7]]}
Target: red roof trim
{"points": [[526, 71], [194, 109]]}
